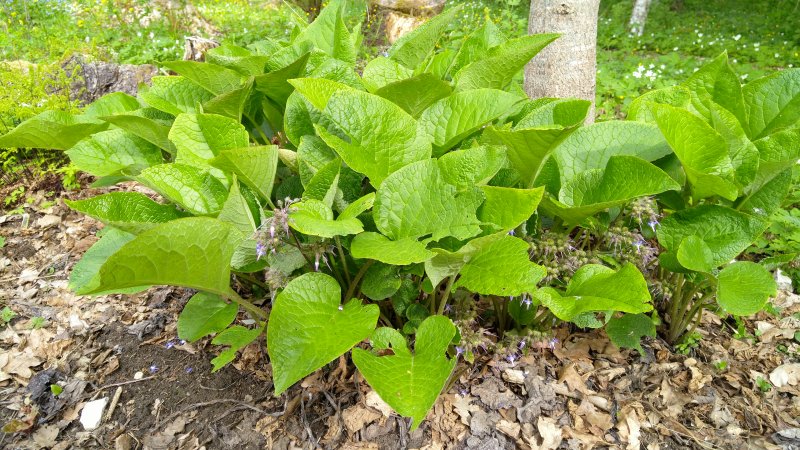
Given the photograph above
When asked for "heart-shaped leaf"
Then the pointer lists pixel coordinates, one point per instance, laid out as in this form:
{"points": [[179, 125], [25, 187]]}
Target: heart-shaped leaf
{"points": [[205, 314], [744, 288]]}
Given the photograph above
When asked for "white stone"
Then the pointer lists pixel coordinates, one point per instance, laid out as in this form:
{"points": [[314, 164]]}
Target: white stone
{"points": [[76, 324], [138, 375], [783, 281], [92, 413]]}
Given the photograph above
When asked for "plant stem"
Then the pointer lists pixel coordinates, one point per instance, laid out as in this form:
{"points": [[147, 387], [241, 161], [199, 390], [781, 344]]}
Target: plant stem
{"points": [[297, 244], [253, 280], [249, 307], [344, 260], [446, 295], [351, 289]]}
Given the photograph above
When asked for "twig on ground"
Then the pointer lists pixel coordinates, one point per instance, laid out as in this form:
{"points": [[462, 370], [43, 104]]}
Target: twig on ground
{"points": [[159, 424]]}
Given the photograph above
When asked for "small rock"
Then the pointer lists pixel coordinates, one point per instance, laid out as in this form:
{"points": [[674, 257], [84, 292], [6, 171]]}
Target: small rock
{"points": [[784, 282], [515, 376], [690, 362], [92, 413], [785, 374], [76, 324], [48, 221], [138, 375]]}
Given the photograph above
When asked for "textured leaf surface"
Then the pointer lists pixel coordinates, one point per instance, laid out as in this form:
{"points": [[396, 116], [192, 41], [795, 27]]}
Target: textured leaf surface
{"points": [[190, 187], [414, 47], [764, 199], [382, 71], [237, 337], [236, 211], [415, 201], [315, 218], [255, 166], [453, 118], [51, 129], [192, 252], [527, 149], [309, 327], [110, 104], [128, 211], [507, 208], [175, 95], [409, 382], [382, 137], [717, 82], [211, 77], [84, 271], [744, 288], [380, 281], [500, 266], [145, 128], [599, 288], [415, 94], [114, 152], [772, 102], [726, 232], [378, 247], [563, 112], [199, 137], [465, 169], [627, 331], [502, 63], [205, 314]]}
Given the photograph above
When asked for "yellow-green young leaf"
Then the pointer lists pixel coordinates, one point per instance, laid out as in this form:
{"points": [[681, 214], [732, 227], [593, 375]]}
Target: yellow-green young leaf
{"points": [[674, 95], [409, 382], [174, 95], [236, 211], [476, 45], [382, 137], [563, 112], [744, 288], [726, 232], [625, 178], [275, 85], [451, 119], [200, 137], [376, 246], [772, 102], [312, 155], [415, 94], [205, 314], [599, 288], [627, 331], [315, 218], [507, 208], [702, 151], [716, 82], [500, 266], [324, 184], [114, 152], [527, 149], [777, 152], [193, 252], [237, 337], [110, 104], [762, 199], [51, 129], [329, 33], [255, 166], [318, 91], [501, 63], [360, 205], [237, 58], [743, 153], [231, 104], [413, 48], [211, 77], [694, 254], [309, 327], [85, 270], [381, 72], [420, 187], [194, 189], [145, 128], [128, 211], [465, 169]]}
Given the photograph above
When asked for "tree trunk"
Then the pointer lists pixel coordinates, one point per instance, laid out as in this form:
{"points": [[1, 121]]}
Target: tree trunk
{"points": [[568, 66], [639, 16]]}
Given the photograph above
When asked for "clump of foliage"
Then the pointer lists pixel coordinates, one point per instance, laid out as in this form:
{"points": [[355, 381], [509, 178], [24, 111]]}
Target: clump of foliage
{"points": [[426, 200]]}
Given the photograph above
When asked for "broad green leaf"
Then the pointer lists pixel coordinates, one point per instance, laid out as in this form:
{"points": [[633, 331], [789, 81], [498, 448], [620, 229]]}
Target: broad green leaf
{"points": [[453, 118], [312, 155], [175, 95], [508, 208], [523, 313], [777, 152], [420, 187], [772, 102], [323, 185], [744, 288], [318, 91], [114, 152], [131, 212], [599, 288], [85, 270], [624, 178], [205, 314], [275, 84], [376, 246], [255, 166], [382, 137], [237, 337], [381, 72], [591, 147], [726, 232], [764, 199], [476, 45], [564, 112], [380, 281], [640, 109], [414, 47], [502, 63], [409, 382], [199, 137], [415, 94], [236, 211], [315, 218], [232, 103], [716, 82], [194, 189], [287, 259], [329, 33], [627, 331], [694, 254], [528, 149], [743, 153], [51, 130], [238, 59], [145, 128], [193, 252], [359, 206], [499, 266], [111, 104], [465, 169], [246, 260], [211, 77], [309, 327], [702, 151]]}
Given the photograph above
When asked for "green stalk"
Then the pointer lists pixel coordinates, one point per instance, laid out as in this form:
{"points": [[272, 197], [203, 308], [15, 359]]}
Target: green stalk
{"points": [[351, 289], [344, 260], [446, 295], [249, 307], [253, 280]]}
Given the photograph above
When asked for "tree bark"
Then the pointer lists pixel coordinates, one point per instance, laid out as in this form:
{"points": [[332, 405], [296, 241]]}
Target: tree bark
{"points": [[639, 16], [568, 66]]}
